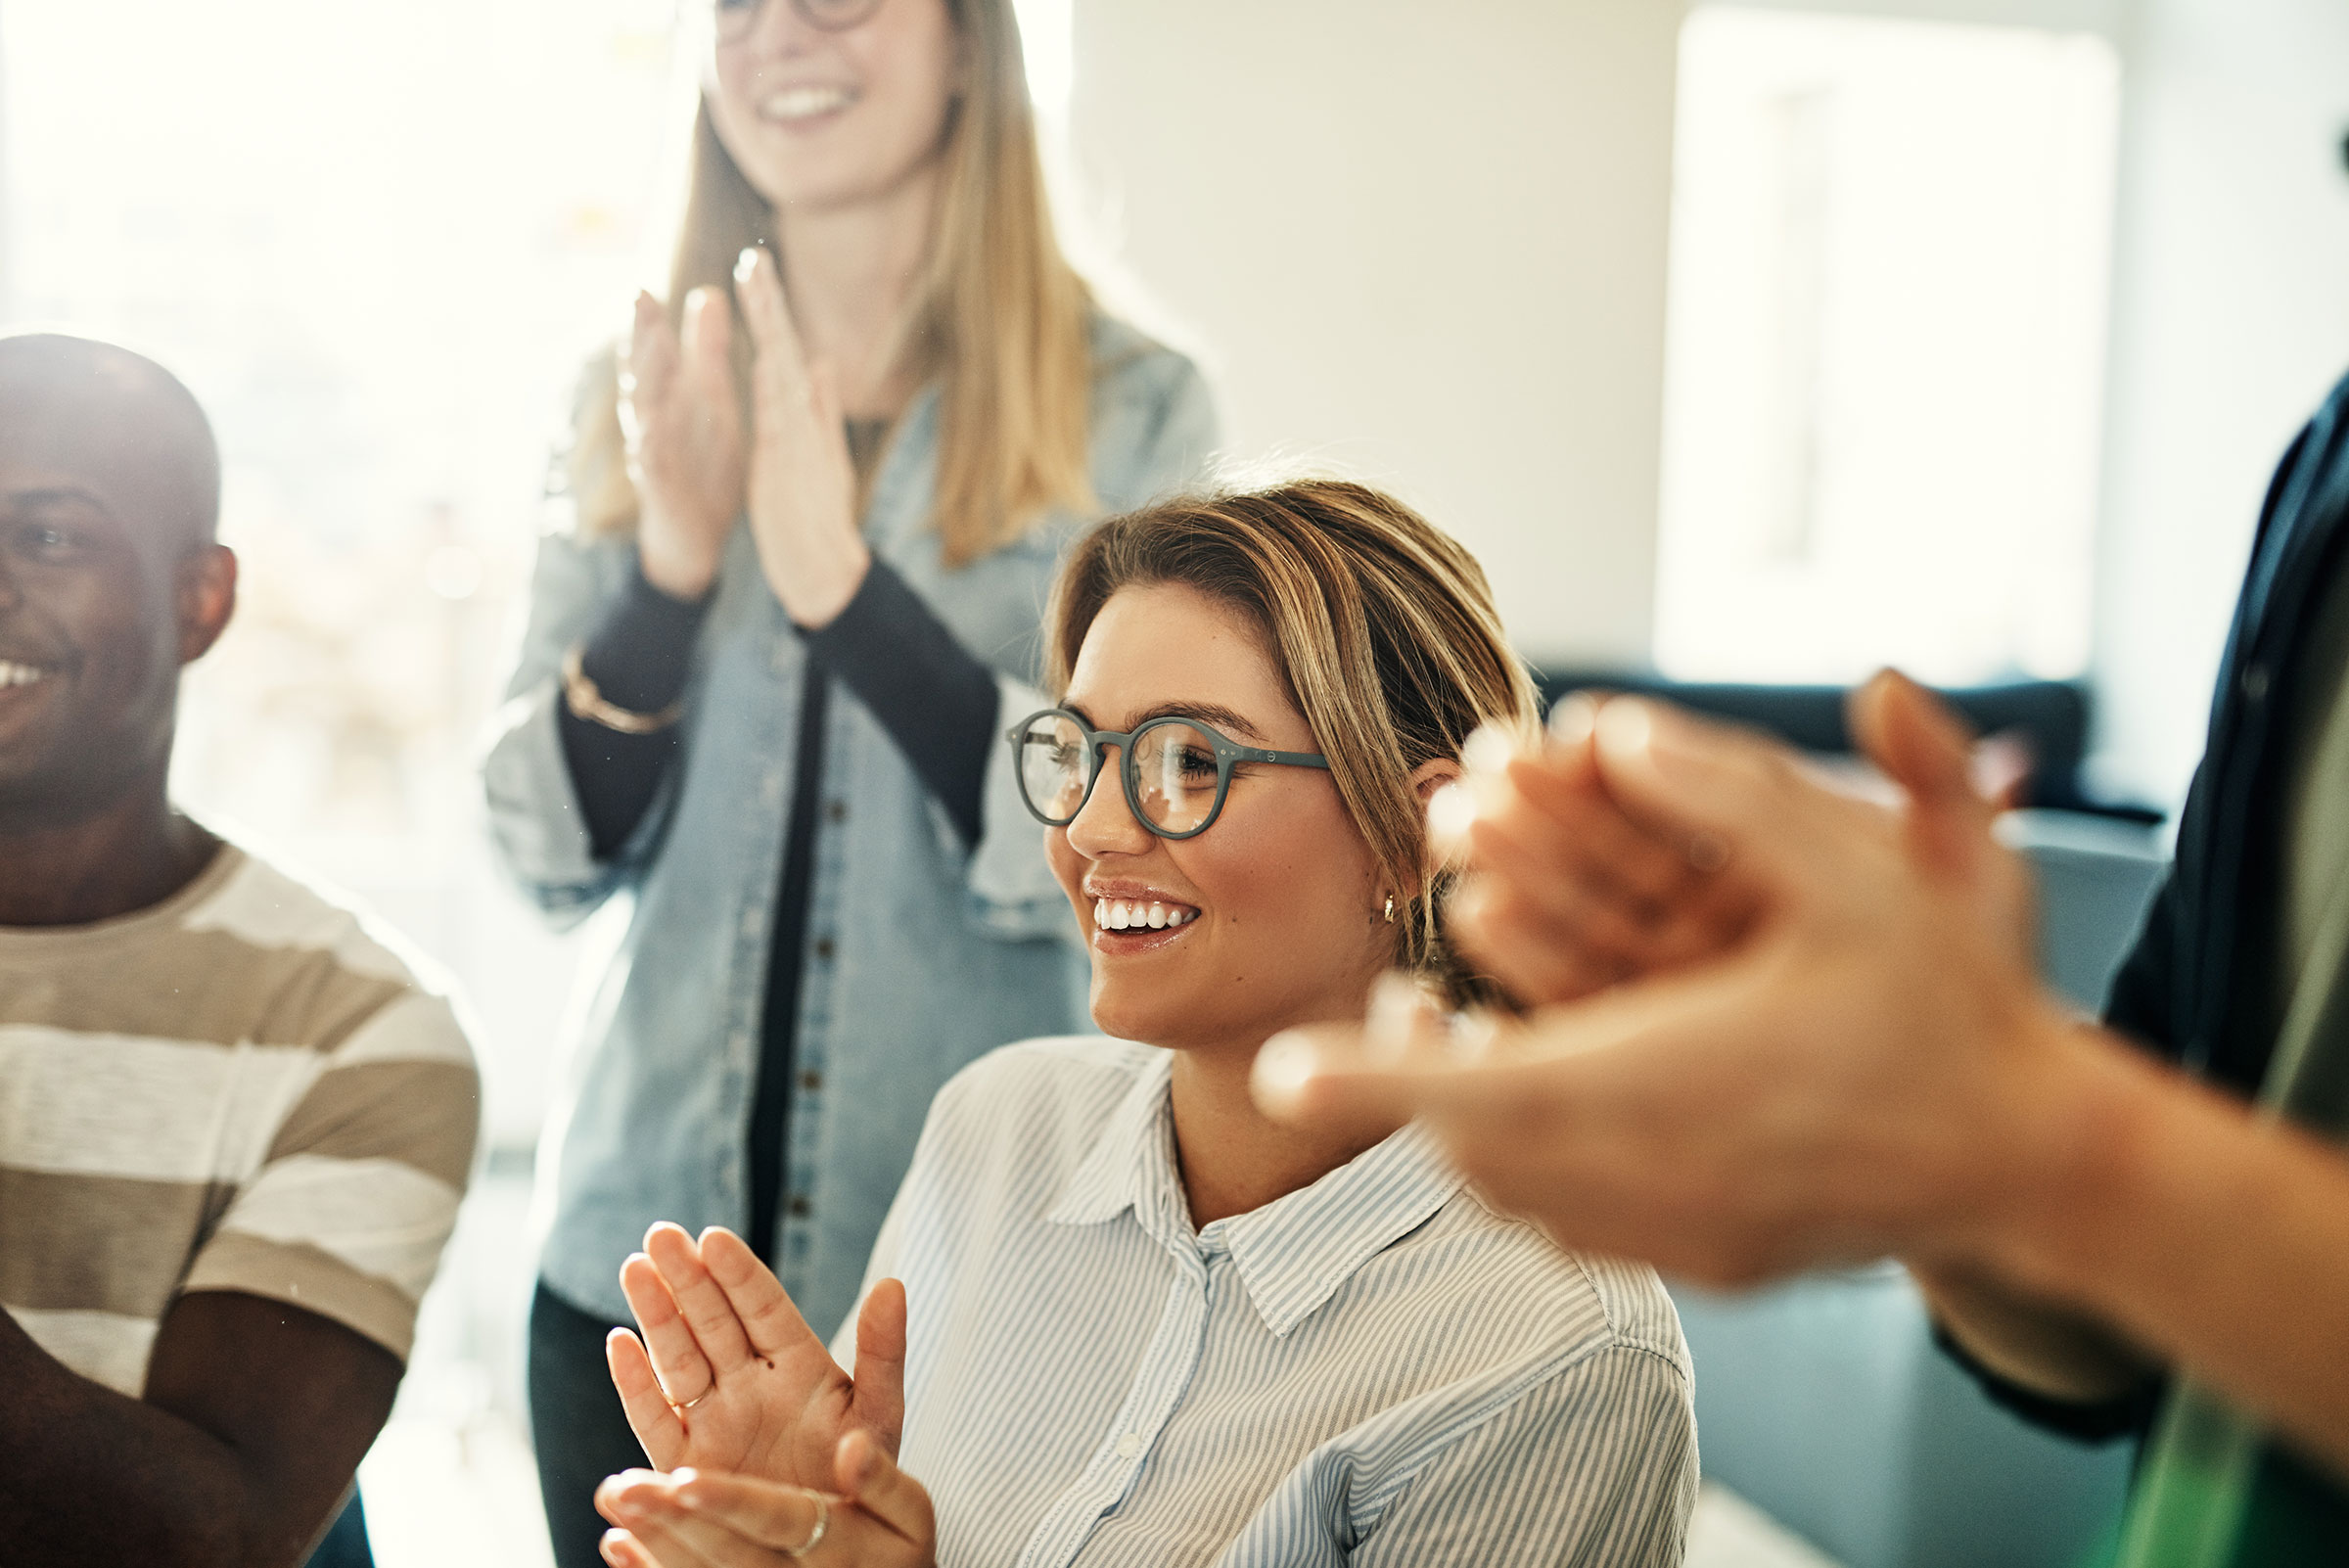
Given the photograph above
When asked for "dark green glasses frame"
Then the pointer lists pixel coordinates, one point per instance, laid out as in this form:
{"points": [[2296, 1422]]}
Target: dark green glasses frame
{"points": [[1230, 754]]}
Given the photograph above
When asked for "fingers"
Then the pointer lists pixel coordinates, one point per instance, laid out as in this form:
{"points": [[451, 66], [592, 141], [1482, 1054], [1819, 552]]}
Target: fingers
{"points": [[716, 1326], [1486, 1074], [624, 1550], [763, 1513], [782, 365], [657, 1514], [677, 1355], [709, 1519], [704, 339], [1728, 791], [757, 1306], [871, 1480], [881, 1362], [650, 1415], [1926, 748], [1342, 1071], [650, 369], [1518, 941]]}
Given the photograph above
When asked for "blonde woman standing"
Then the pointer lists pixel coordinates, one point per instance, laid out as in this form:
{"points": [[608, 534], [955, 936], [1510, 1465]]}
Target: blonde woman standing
{"points": [[808, 523]]}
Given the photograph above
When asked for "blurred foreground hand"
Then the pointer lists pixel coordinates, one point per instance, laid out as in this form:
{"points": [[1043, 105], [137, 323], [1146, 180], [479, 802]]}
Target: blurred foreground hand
{"points": [[1830, 1044]]}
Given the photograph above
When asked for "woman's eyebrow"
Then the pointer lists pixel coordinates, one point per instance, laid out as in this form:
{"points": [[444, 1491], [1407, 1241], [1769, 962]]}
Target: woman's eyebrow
{"points": [[1222, 718]]}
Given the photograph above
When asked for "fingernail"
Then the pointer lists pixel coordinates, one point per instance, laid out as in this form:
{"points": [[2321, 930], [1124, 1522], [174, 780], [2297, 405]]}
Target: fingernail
{"points": [[1487, 749], [1572, 716], [746, 263], [1451, 813], [1283, 1068], [1624, 726]]}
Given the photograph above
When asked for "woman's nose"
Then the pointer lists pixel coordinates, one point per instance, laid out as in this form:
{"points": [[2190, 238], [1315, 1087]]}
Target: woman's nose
{"points": [[1104, 824]]}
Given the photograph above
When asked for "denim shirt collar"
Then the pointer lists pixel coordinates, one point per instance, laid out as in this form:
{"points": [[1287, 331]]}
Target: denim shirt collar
{"points": [[1293, 1254]]}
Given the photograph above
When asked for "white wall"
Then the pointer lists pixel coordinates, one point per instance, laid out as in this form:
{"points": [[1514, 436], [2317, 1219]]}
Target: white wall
{"points": [[2230, 321], [1429, 243], [1426, 243]]}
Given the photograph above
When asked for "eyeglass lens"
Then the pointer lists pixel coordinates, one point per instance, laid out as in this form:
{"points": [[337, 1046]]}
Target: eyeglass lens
{"points": [[1172, 768], [735, 17]]}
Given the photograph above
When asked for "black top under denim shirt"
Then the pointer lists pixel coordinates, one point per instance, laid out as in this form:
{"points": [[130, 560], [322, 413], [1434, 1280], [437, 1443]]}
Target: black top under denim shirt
{"points": [[2200, 986], [937, 702]]}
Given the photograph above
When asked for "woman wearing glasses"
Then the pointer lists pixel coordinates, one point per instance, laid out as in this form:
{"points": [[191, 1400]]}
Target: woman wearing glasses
{"points": [[805, 526], [1148, 1326]]}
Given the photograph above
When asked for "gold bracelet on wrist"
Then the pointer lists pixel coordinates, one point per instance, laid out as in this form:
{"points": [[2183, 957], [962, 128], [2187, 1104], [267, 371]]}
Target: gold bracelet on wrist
{"points": [[582, 696]]}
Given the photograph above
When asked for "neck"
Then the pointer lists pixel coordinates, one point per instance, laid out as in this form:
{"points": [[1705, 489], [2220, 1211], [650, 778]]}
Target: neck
{"points": [[1233, 1156], [851, 273], [133, 852]]}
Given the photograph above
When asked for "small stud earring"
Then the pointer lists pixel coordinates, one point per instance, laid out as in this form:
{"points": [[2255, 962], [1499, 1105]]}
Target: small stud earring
{"points": [[1390, 908]]}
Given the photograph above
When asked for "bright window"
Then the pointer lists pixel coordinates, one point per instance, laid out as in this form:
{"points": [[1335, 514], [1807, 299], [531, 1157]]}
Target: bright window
{"points": [[1885, 352]]}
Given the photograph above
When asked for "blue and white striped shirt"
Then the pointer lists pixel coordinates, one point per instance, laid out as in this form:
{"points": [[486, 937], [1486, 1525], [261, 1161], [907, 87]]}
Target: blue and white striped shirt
{"points": [[1376, 1369]]}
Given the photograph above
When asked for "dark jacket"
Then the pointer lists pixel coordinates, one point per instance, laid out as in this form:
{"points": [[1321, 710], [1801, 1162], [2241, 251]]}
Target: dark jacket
{"points": [[2198, 987]]}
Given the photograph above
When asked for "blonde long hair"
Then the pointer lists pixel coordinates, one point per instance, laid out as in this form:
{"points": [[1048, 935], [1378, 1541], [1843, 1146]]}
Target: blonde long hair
{"points": [[999, 318], [1383, 627]]}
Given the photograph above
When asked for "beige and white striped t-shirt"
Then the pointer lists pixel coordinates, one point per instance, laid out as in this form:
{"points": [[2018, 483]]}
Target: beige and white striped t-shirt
{"points": [[239, 1088]]}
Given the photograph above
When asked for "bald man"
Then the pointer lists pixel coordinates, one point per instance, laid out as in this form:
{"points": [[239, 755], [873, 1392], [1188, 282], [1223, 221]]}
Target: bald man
{"points": [[234, 1126]]}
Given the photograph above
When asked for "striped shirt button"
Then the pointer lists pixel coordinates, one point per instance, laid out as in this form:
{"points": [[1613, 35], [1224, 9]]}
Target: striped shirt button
{"points": [[1128, 1445]]}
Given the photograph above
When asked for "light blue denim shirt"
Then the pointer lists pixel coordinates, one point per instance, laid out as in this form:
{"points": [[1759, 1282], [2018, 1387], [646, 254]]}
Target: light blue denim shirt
{"points": [[923, 953]]}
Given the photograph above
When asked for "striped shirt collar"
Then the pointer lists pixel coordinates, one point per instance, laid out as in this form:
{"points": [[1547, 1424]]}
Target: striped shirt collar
{"points": [[1295, 1251]]}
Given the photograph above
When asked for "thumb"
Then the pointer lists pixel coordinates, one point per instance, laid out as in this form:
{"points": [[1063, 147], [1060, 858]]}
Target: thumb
{"points": [[880, 1373], [871, 1480], [1928, 750], [1724, 791], [824, 393]]}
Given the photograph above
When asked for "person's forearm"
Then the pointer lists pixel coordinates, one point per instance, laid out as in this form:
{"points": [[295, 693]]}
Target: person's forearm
{"points": [[2213, 1238], [2054, 1351], [90, 1478], [938, 702], [639, 660]]}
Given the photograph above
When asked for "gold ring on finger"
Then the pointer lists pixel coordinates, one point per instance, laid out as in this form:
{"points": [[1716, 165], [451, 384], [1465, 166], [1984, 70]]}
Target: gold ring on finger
{"points": [[823, 1522]]}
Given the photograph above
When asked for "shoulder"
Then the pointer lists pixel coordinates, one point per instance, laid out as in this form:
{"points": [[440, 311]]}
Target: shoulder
{"points": [[1517, 1324], [341, 980], [1154, 416], [1587, 1305], [1013, 1127], [1059, 1078]]}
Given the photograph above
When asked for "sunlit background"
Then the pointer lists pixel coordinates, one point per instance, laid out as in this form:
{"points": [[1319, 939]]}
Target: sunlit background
{"points": [[1745, 341]]}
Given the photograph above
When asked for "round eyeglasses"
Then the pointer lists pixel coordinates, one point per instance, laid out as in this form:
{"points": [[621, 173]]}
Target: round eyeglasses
{"points": [[1177, 771], [735, 18]]}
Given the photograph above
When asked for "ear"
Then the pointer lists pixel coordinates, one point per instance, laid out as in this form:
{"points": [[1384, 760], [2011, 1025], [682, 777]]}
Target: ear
{"points": [[1433, 775], [205, 597], [1427, 778]]}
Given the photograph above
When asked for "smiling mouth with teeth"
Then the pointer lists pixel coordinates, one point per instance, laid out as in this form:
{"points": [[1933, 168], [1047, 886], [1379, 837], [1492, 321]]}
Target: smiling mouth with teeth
{"points": [[805, 103], [1136, 915], [13, 673]]}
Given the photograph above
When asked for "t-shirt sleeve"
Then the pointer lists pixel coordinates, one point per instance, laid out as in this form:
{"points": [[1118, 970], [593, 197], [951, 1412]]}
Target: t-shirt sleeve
{"points": [[357, 1193]]}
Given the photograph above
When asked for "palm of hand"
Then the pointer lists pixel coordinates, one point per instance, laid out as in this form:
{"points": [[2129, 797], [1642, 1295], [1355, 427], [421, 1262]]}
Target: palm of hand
{"points": [[683, 427], [689, 456], [780, 1418], [729, 1377]]}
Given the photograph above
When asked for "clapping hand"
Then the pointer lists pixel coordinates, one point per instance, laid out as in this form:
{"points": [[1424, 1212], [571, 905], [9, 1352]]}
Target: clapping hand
{"points": [[683, 427], [728, 1376], [1824, 1087], [1567, 893], [878, 1517], [803, 485]]}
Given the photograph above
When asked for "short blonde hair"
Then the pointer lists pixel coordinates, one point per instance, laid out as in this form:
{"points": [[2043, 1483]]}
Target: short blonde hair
{"points": [[1382, 626]]}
